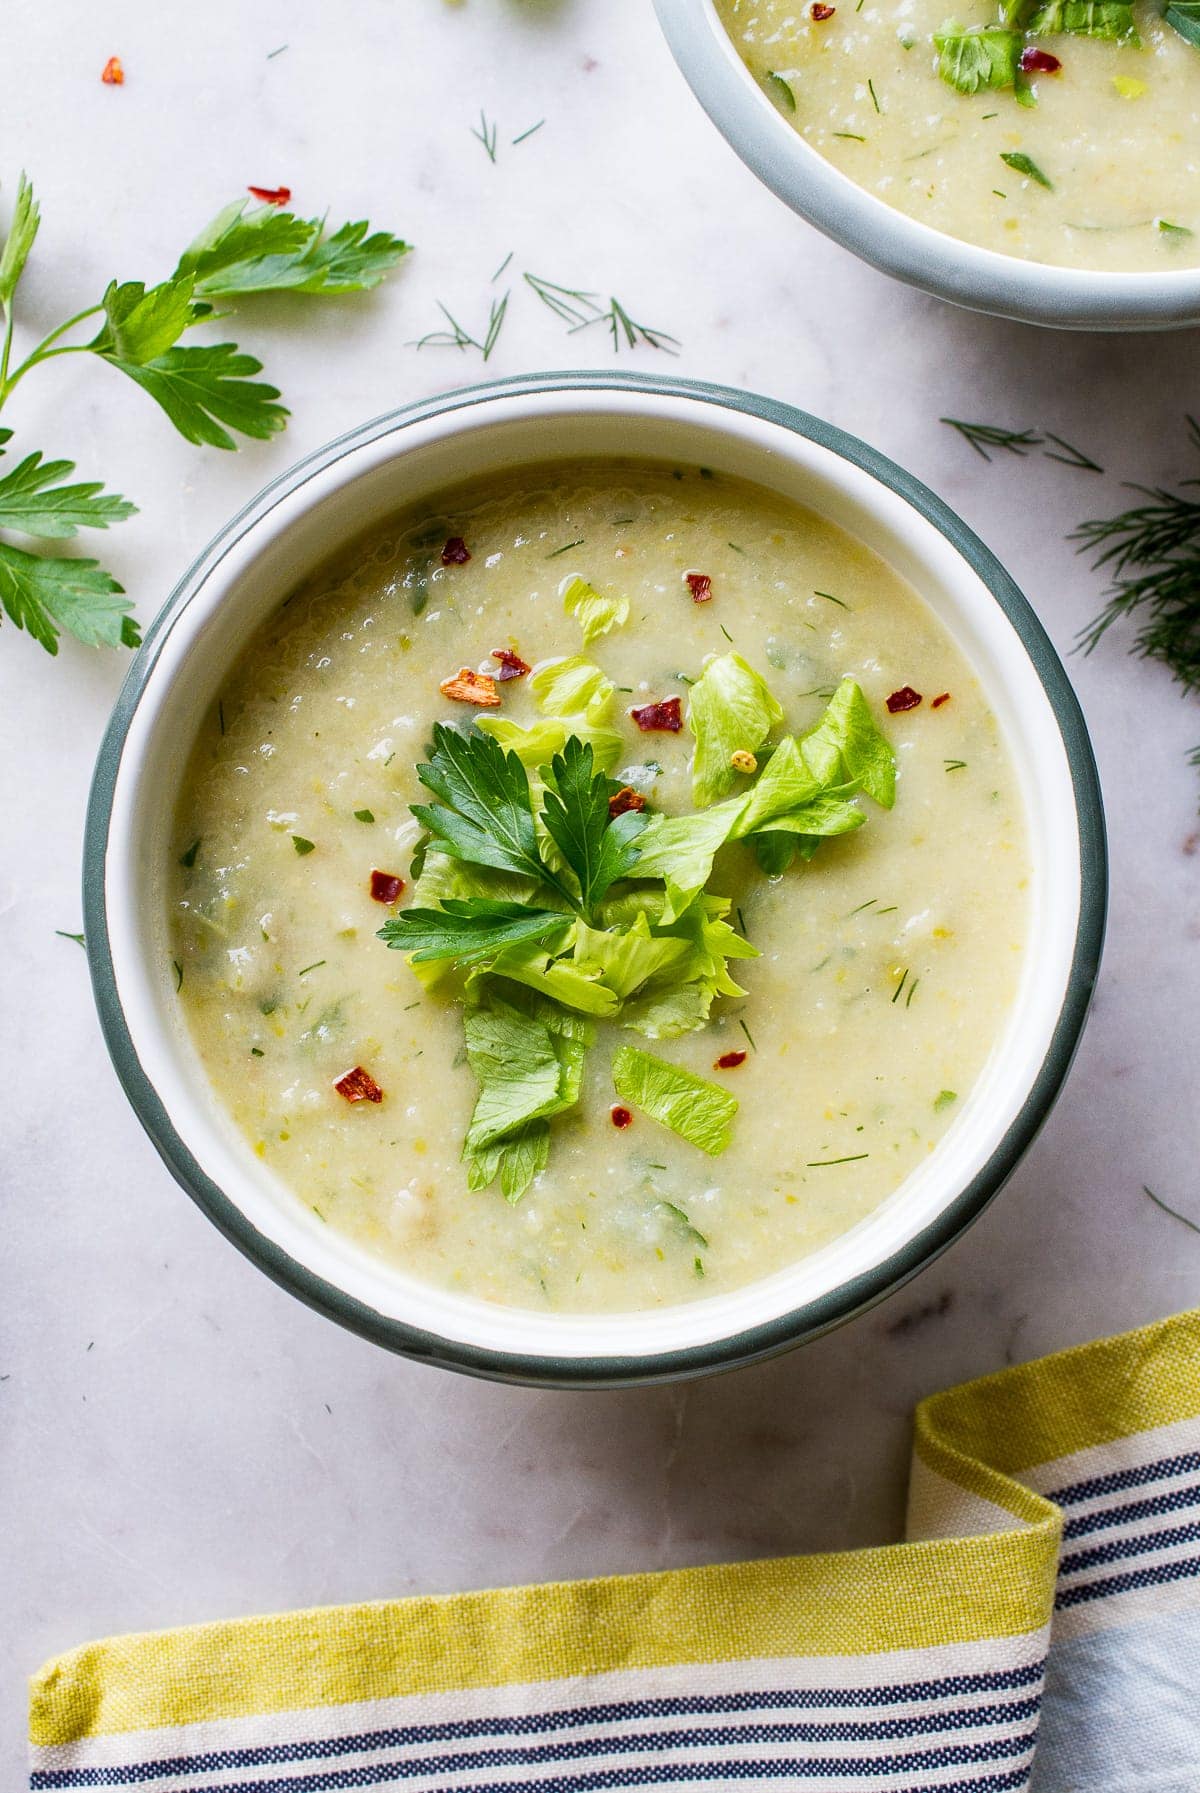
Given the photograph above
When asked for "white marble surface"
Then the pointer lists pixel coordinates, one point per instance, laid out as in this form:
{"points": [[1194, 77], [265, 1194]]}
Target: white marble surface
{"points": [[180, 1439]]}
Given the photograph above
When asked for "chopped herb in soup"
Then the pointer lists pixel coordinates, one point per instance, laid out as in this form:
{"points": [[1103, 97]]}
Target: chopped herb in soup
{"points": [[1061, 131], [601, 929]]}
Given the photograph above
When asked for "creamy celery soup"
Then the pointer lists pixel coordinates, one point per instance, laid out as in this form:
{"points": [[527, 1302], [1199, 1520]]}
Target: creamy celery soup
{"points": [[600, 890], [1065, 132]]}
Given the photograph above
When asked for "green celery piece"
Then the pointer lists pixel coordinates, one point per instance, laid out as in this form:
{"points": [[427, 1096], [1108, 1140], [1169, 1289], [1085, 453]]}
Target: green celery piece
{"points": [[468, 930], [829, 814], [1183, 16], [698, 1111], [666, 1009], [595, 614], [847, 747], [537, 745], [527, 1069], [485, 815], [552, 977], [19, 241], [774, 852], [32, 500], [1110, 19], [575, 698], [573, 686], [598, 848], [43, 595], [516, 1161], [786, 781], [977, 58], [629, 958], [680, 850], [730, 709]]}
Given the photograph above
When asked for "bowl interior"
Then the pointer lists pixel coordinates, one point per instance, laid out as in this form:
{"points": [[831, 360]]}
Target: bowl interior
{"points": [[252, 569]]}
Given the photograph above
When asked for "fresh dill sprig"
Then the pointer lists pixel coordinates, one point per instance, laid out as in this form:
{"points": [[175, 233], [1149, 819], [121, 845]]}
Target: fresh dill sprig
{"points": [[456, 337], [573, 305], [1160, 1203], [1070, 456], [1151, 554], [983, 436], [486, 134], [579, 309], [621, 324]]}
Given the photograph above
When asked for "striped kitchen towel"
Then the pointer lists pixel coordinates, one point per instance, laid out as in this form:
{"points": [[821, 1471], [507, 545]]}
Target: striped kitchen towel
{"points": [[1040, 1629]]}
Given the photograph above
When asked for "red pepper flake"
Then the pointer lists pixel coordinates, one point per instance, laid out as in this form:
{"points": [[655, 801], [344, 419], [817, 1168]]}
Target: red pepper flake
{"points": [[386, 886], [511, 665], [455, 553], [666, 717], [1039, 62], [271, 195], [625, 799], [112, 74], [700, 586], [939, 701], [467, 687], [820, 13], [621, 1117], [904, 699], [729, 1061], [358, 1086]]}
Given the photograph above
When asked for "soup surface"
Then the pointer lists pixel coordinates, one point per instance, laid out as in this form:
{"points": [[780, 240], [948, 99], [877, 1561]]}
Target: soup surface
{"points": [[885, 963], [1112, 133]]}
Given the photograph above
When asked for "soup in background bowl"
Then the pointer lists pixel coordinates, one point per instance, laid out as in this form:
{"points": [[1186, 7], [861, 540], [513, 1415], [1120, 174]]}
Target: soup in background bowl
{"points": [[775, 1110], [1033, 161], [1060, 133]]}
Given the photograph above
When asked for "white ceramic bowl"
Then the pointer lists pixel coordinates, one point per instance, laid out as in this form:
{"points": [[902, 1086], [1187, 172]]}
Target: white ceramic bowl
{"points": [[1035, 293], [332, 497]]}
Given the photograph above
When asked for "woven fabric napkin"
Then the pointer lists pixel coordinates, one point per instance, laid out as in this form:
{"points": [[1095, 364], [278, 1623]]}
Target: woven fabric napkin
{"points": [[1039, 1629]]}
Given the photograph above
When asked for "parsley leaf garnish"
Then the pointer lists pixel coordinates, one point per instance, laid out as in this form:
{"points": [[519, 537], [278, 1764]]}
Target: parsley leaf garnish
{"points": [[469, 929], [1111, 19], [44, 595], [599, 850], [485, 815], [975, 57], [33, 500], [201, 389], [21, 232], [265, 251], [206, 391], [1183, 16]]}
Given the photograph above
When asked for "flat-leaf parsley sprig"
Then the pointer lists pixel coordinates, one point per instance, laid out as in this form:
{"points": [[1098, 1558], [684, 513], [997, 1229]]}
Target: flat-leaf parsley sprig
{"points": [[206, 390]]}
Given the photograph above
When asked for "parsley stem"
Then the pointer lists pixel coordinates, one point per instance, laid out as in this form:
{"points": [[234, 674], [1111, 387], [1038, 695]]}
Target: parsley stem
{"points": [[6, 351], [43, 351]]}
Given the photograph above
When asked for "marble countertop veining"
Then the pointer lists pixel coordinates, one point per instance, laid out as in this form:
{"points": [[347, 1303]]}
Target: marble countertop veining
{"points": [[181, 1439]]}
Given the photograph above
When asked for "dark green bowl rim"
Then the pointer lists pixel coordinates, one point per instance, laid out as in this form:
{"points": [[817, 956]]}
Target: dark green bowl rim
{"points": [[784, 1331]]}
